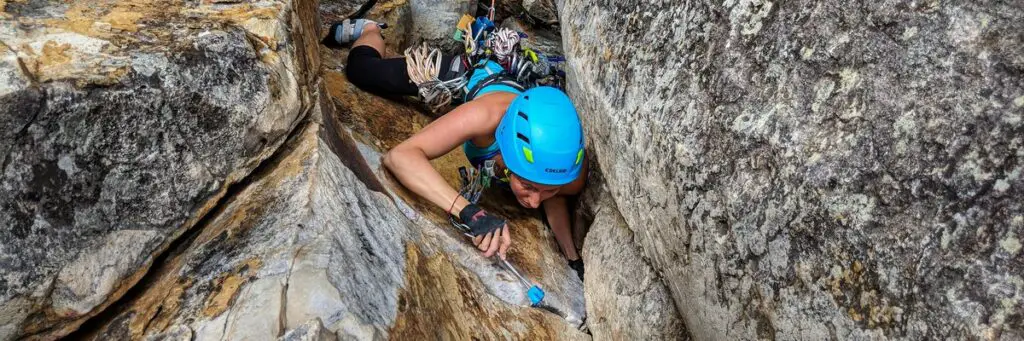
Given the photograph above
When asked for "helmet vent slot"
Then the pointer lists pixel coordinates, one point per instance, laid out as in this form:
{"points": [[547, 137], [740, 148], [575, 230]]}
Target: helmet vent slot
{"points": [[523, 137], [523, 115]]}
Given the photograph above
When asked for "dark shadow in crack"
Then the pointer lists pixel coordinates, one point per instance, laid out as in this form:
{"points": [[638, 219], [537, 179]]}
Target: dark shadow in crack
{"points": [[344, 147]]}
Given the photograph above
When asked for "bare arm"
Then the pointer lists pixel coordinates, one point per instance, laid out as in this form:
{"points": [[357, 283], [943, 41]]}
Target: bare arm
{"points": [[557, 211], [410, 160]]}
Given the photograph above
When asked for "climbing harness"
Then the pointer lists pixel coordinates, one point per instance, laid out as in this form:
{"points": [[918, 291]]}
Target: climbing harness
{"points": [[474, 182]]}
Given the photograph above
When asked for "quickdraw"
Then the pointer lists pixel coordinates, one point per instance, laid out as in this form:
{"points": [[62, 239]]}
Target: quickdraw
{"points": [[474, 182], [482, 42]]}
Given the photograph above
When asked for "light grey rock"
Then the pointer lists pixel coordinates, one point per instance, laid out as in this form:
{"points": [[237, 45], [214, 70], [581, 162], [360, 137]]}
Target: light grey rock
{"points": [[114, 144], [310, 331], [806, 170], [626, 299], [180, 333], [434, 22]]}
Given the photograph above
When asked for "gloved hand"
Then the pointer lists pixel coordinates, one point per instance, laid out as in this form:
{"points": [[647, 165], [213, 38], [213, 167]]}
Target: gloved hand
{"points": [[490, 233]]}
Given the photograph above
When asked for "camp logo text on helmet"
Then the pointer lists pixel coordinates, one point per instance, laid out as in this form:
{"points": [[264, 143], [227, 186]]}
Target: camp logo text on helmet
{"points": [[541, 138]]}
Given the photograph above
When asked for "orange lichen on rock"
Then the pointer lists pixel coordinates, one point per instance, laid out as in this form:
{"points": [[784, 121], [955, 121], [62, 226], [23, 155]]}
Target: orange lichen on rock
{"points": [[54, 54], [247, 11], [227, 288], [98, 19], [156, 311]]}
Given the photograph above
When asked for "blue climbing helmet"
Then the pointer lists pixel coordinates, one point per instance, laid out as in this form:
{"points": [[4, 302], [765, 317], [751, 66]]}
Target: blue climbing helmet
{"points": [[541, 138]]}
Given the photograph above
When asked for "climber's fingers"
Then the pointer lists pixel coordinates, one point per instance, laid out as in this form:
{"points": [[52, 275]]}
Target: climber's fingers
{"points": [[495, 242], [506, 241], [486, 242]]}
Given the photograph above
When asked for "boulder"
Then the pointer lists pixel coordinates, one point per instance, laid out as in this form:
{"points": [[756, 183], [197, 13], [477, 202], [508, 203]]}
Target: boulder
{"points": [[124, 122], [812, 170], [310, 331], [626, 298], [320, 232], [543, 11]]}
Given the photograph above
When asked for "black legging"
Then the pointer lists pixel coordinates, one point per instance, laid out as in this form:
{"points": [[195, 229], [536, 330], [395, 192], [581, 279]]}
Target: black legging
{"points": [[368, 70]]}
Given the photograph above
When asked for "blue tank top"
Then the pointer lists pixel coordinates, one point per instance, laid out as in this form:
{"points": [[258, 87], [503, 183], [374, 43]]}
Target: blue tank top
{"points": [[477, 155]]}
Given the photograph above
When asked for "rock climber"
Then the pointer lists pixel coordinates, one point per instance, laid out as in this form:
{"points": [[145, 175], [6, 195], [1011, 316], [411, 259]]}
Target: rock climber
{"points": [[534, 136]]}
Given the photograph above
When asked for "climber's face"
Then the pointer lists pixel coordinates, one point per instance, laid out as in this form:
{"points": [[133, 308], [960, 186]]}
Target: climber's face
{"points": [[531, 194]]}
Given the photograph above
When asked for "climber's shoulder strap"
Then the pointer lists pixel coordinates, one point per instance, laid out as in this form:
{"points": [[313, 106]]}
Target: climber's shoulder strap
{"points": [[501, 78]]}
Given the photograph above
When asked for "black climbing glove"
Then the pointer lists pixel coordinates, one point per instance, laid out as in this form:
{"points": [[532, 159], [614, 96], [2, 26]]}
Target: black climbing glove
{"points": [[479, 221]]}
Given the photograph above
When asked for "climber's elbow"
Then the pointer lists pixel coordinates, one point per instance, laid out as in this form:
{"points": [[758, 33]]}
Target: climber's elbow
{"points": [[398, 159], [391, 159]]}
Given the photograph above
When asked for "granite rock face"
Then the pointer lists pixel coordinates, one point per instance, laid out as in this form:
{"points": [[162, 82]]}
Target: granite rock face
{"points": [[626, 298], [810, 170], [123, 122], [189, 171], [319, 233], [541, 40], [434, 21], [543, 11], [310, 331]]}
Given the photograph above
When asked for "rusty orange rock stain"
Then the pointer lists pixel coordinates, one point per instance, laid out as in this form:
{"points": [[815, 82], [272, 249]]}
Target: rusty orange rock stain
{"points": [[227, 288], [54, 54], [157, 312]]}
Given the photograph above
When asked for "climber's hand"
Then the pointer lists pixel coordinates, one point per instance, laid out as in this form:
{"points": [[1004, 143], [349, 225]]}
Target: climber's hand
{"points": [[497, 241], [490, 233]]}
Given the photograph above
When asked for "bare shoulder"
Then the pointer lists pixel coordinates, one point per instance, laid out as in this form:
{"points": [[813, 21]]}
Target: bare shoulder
{"points": [[496, 103]]}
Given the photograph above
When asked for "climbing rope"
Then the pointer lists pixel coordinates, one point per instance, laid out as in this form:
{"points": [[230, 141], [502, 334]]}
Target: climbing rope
{"points": [[424, 66], [503, 42]]}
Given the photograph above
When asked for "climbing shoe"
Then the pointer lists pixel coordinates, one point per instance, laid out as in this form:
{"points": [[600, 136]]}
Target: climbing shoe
{"points": [[578, 266], [344, 33]]}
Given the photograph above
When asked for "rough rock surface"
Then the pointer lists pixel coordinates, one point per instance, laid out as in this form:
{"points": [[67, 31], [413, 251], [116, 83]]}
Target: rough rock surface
{"points": [[310, 331], [434, 22], [542, 13], [541, 40], [123, 122], [317, 234], [176, 333], [184, 170], [626, 299], [542, 10], [320, 232], [809, 170]]}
